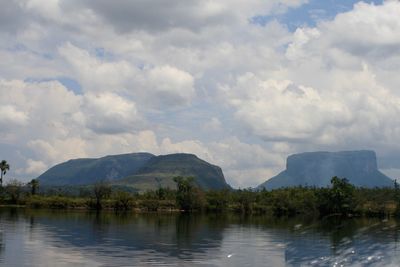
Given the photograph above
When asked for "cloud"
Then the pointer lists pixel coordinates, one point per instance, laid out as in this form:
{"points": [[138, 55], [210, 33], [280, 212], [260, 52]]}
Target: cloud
{"points": [[35, 167], [96, 74], [10, 16], [197, 77], [163, 85], [367, 30], [170, 86], [109, 113], [283, 111], [156, 16], [11, 116]]}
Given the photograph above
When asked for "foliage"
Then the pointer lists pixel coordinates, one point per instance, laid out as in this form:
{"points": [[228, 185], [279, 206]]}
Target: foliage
{"points": [[101, 191], [13, 190], [218, 201], [340, 198], [244, 200], [122, 201], [54, 202], [34, 185], [188, 197], [4, 167]]}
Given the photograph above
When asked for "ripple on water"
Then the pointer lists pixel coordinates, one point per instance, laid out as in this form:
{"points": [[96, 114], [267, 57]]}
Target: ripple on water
{"points": [[78, 239]]}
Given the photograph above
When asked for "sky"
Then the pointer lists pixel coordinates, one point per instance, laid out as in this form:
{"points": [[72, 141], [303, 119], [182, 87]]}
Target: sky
{"points": [[241, 84]]}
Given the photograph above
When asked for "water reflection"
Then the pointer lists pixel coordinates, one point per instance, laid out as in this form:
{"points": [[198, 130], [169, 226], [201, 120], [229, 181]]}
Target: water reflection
{"points": [[53, 238]]}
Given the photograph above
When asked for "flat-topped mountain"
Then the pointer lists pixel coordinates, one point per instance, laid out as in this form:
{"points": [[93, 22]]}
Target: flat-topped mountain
{"points": [[89, 171], [317, 169], [141, 171], [160, 170]]}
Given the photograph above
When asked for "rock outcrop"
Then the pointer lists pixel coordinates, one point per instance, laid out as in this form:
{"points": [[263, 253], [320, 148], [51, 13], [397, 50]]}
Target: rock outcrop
{"points": [[159, 172], [90, 171], [317, 169], [140, 171]]}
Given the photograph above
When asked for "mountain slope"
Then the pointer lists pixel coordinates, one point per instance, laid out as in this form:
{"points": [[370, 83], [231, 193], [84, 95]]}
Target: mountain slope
{"points": [[317, 168], [89, 171], [160, 170], [140, 171]]}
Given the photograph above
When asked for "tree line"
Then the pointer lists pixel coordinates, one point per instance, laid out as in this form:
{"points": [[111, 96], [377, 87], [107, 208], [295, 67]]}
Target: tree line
{"points": [[340, 198]]}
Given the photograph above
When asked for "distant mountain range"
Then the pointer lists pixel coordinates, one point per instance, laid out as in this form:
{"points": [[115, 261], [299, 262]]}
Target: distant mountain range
{"points": [[145, 171], [317, 169], [141, 171]]}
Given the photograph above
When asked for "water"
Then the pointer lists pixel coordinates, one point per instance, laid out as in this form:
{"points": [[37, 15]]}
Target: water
{"points": [[60, 238]]}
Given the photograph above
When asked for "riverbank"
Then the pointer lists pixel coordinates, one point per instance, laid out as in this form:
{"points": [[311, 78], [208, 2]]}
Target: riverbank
{"points": [[340, 198], [285, 202]]}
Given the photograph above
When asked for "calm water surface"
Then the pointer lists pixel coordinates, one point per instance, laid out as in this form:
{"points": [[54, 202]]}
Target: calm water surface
{"points": [[49, 238]]}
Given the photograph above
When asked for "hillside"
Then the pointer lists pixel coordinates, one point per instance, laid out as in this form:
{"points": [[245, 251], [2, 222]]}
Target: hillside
{"points": [[89, 171], [317, 168], [139, 171], [160, 170]]}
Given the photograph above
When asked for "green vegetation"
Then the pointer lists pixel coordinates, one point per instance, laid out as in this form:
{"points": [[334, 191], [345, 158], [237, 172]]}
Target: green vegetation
{"points": [[317, 169], [341, 198], [139, 171], [188, 197], [90, 171], [34, 185], [4, 167], [160, 170]]}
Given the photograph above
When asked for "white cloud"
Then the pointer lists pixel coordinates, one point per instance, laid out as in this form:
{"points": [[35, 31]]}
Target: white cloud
{"points": [[35, 167], [170, 86], [10, 115], [58, 150], [155, 16], [195, 77], [96, 74], [281, 110], [109, 113]]}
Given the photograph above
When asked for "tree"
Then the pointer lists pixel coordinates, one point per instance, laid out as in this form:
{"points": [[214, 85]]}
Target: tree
{"points": [[4, 167], [188, 197], [397, 198], [123, 201], [14, 189], [100, 192], [338, 199], [34, 185], [245, 198]]}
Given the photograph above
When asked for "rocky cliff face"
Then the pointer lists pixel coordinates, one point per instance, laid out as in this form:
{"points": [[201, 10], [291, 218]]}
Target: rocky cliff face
{"points": [[317, 168], [90, 171], [141, 171], [160, 171]]}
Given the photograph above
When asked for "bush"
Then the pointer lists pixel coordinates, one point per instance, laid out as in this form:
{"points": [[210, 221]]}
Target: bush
{"points": [[122, 201]]}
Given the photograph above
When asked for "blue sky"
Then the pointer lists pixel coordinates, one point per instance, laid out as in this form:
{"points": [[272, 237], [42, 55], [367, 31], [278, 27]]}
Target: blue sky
{"points": [[311, 13]]}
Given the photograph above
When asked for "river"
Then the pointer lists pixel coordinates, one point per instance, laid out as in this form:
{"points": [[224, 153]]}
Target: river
{"points": [[78, 238]]}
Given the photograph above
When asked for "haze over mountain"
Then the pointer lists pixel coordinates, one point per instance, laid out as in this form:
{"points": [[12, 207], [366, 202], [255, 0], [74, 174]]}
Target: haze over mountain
{"points": [[159, 171], [317, 168], [141, 171], [89, 171]]}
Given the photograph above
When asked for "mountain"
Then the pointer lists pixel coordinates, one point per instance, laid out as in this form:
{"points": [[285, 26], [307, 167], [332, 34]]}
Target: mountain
{"points": [[160, 170], [89, 171], [317, 169], [141, 171]]}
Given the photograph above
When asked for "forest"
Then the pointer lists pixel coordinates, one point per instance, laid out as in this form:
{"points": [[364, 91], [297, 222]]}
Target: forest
{"points": [[340, 198]]}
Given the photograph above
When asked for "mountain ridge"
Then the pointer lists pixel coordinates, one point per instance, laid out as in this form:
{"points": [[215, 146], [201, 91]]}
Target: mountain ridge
{"points": [[317, 168], [142, 171]]}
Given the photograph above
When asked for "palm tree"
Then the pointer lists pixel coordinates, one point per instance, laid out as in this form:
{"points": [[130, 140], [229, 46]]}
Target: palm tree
{"points": [[4, 167], [34, 184]]}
